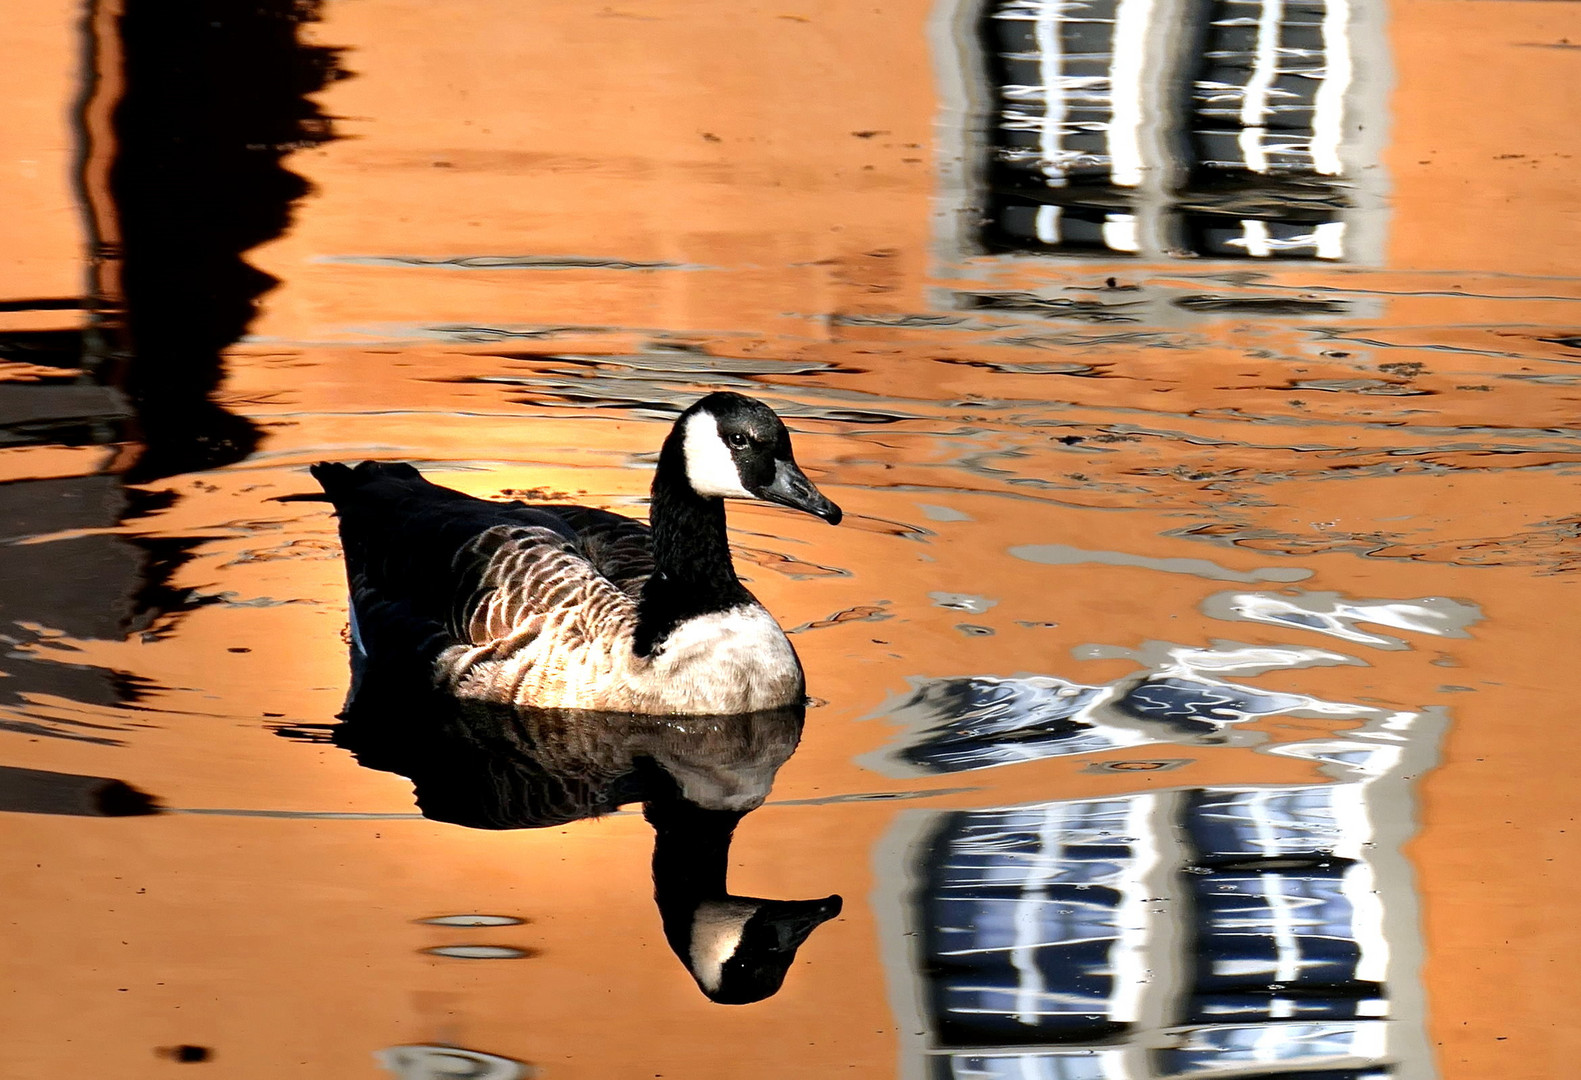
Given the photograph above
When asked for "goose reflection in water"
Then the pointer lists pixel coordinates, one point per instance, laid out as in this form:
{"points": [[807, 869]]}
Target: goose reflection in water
{"points": [[488, 766]]}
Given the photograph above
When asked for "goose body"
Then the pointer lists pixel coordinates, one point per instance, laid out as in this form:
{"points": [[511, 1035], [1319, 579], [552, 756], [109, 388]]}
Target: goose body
{"points": [[575, 608]]}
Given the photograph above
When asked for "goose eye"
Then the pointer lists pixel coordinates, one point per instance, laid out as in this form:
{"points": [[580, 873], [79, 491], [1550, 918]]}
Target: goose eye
{"points": [[737, 440]]}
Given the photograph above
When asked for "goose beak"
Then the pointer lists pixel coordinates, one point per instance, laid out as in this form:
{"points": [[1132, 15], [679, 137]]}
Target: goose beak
{"points": [[790, 487], [795, 920], [737, 962]]}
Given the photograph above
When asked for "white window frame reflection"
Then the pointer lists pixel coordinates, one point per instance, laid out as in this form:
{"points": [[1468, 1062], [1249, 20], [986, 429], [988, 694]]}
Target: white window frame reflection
{"points": [[1138, 96], [1368, 904]]}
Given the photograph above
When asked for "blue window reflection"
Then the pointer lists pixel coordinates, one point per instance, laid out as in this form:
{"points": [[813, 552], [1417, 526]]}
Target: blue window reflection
{"points": [[1026, 910], [980, 722], [977, 723], [1245, 920], [1226, 128]]}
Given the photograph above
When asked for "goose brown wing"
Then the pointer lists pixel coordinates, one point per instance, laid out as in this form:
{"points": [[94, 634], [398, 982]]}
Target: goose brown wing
{"points": [[519, 581], [618, 547], [429, 566]]}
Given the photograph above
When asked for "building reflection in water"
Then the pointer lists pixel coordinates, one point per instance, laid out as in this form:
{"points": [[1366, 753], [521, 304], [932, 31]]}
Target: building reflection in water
{"points": [[494, 767], [188, 112], [1236, 930], [1158, 128], [214, 97]]}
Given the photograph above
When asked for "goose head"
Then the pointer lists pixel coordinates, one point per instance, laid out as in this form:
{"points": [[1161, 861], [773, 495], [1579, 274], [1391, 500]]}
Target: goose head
{"points": [[733, 447]]}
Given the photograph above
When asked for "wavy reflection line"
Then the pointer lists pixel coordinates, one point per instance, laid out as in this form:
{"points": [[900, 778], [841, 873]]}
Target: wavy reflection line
{"points": [[1066, 555], [1332, 614]]}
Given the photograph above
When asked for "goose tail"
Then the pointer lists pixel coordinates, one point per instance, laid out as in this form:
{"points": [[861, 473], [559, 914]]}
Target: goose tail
{"points": [[339, 481]]}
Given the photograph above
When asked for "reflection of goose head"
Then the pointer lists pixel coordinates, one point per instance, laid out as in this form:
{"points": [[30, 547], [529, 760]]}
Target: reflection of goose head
{"points": [[738, 948], [497, 767]]}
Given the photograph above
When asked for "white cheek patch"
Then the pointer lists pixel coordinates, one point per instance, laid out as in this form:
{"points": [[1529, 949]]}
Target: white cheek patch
{"points": [[716, 932], [709, 467]]}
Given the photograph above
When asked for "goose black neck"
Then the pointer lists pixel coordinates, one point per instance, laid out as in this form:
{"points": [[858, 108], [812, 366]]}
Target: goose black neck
{"points": [[691, 856], [693, 574], [691, 851]]}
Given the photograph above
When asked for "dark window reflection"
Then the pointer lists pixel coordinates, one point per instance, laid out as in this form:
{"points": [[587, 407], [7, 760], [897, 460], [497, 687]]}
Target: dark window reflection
{"points": [[1220, 128], [1024, 917], [1247, 921]]}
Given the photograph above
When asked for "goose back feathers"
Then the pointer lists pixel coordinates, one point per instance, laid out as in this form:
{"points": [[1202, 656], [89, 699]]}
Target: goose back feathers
{"points": [[572, 607]]}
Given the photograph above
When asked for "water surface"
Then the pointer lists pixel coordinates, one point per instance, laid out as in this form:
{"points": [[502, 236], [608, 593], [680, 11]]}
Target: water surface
{"points": [[1188, 673]]}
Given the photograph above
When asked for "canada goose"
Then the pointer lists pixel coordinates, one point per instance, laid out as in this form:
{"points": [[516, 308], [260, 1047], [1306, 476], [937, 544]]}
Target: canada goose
{"points": [[571, 607], [492, 766]]}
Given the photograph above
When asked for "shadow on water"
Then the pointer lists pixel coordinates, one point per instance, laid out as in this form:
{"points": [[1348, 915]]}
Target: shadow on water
{"points": [[212, 98], [187, 114], [216, 96], [488, 766], [40, 791], [119, 587]]}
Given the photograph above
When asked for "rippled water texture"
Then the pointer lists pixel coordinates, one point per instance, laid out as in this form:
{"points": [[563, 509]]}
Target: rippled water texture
{"points": [[1200, 385]]}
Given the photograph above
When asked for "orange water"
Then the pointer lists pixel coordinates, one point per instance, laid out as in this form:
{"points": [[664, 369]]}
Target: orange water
{"points": [[767, 200]]}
